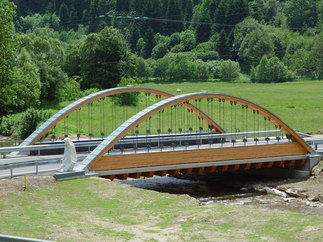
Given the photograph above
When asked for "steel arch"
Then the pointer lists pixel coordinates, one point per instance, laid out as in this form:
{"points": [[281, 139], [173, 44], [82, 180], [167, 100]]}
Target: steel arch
{"points": [[123, 129], [51, 122]]}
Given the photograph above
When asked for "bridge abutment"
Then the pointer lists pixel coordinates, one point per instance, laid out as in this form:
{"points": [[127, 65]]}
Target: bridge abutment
{"points": [[303, 171]]}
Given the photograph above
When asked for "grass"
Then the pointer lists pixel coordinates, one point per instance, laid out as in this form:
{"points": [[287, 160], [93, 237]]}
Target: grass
{"points": [[299, 104], [93, 209]]}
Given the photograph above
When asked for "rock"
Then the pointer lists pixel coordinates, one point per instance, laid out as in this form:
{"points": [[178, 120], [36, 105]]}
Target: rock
{"points": [[320, 197], [310, 204], [318, 169], [292, 192], [302, 195], [259, 188], [281, 188], [275, 192], [313, 198], [288, 199]]}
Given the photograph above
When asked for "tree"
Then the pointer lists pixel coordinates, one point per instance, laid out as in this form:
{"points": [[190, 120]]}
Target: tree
{"points": [[159, 51], [302, 14], [264, 10], [229, 70], [271, 70], [26, 86], [101, 56], [173, 12], [254, 46], [63, 14], [187, 39], [188, 10], [141, 47], [122, 5], [224, 45], [242, 29], [150, 42], [142, 68], [8, 46], [203, 30], [207, 51]]}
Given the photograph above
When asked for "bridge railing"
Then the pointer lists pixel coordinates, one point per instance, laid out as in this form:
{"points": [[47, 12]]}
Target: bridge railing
{"points": [[90, 144]]}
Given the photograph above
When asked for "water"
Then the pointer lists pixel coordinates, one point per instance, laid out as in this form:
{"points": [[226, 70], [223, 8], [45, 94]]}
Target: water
{"points": [[221, 190], [8, 142]]}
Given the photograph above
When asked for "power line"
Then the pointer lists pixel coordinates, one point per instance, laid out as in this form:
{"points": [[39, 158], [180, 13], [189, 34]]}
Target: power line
{"points": [[158, 19]]}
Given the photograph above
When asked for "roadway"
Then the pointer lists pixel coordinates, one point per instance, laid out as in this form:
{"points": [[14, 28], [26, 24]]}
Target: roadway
{"points": [[49, 164]]}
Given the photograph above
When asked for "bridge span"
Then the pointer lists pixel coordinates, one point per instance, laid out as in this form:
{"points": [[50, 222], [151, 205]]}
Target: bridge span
{"points": [[195, 132]]}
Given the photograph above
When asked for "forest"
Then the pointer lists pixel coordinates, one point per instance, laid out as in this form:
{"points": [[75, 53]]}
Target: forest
{"points": [[53, 51]]}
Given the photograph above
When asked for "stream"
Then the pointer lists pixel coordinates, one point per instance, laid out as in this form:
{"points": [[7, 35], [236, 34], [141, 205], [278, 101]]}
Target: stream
{"points": [[7, 141], [226, 190]]}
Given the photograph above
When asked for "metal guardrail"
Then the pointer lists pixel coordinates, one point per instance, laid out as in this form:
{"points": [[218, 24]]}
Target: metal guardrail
{"points": [[140, 139], [20, 164], [36, 163], [9, 238], [315, 143]]}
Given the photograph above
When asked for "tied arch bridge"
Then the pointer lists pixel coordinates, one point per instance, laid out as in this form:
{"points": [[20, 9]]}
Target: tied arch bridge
{"points": [[167, 134]]}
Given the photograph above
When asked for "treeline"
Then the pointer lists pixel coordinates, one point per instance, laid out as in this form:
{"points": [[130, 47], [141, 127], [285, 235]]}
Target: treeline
{"points": [[57, 50]]}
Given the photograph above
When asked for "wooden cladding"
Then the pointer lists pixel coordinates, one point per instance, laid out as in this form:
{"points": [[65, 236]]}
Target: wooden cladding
{"points": [[112, 162]]}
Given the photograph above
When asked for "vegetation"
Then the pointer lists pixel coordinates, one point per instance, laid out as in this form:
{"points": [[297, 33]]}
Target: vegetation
{"points": [[105, 211], [54, 50]]}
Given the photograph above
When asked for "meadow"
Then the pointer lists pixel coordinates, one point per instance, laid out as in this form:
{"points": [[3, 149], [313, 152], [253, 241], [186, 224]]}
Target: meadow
{"points": [[100, 210], [299, 104]]}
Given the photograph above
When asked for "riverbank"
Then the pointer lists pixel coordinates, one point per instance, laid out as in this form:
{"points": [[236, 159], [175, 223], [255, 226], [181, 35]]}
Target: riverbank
{"points": [[98, 209]]}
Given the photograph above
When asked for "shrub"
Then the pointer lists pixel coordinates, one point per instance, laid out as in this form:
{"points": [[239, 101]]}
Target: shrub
{"points": [[129, 99], [29, 121], [229, 70], [271, 70], [71, 90], [7, 125]]}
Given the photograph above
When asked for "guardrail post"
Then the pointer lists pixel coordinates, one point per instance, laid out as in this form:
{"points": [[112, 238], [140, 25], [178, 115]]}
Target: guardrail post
{"points": [[11, 172], [315, 144], [36, 168]]}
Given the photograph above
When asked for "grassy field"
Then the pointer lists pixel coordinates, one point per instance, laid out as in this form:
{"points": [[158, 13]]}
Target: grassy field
{"points": [[100, 210], [299, 104]]}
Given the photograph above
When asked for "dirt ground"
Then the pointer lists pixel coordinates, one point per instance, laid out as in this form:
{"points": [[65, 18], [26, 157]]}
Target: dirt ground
{"points": [[17, 184], [311, 189]]}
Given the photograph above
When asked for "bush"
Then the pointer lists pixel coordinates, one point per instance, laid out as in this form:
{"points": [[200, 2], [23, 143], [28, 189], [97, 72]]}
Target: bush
{"points": [[7, 125], [129, 99], [142, 68], [214, 68], [29, 121], [71, 90], [89, 91], [271, 70], [229, 70]]}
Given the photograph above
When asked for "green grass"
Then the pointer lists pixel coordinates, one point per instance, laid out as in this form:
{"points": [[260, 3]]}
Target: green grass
{"points": [[92, 209], [299, 104]]}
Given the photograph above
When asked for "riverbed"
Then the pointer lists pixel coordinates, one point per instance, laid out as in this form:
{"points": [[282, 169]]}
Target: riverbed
{"points": [[230, 190]]}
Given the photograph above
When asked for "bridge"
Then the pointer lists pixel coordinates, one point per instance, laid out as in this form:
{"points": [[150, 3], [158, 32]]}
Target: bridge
{"points": [[162, 134]]}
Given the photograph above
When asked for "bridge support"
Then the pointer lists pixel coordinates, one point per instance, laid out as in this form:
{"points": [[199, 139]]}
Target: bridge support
{"points": [[293, 169], [303, 171]]}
